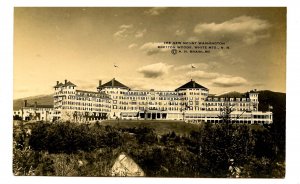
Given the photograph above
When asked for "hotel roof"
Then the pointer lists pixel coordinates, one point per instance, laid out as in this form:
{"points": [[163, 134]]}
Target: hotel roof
{"points": [[59, 85], [67, 83], [113, 83], [191, 85]]}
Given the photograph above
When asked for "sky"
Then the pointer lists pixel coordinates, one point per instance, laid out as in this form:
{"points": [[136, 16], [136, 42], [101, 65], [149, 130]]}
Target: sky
{"points": [[82, 45]]}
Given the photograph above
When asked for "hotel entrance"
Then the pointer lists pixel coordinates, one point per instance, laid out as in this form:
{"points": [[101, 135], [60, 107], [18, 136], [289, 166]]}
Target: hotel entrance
{"points": [[153, 115]]}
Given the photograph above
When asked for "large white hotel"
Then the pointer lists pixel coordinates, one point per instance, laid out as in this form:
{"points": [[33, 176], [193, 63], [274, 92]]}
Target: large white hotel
{"points": [[190, 102]]}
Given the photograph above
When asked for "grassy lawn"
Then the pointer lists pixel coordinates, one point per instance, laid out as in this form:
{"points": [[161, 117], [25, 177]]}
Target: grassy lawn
{"points": [[164, 126], [161, 127]]}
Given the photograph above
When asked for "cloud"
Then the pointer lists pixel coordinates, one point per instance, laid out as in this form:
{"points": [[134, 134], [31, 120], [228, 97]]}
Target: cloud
{"points": [[155, 70], [193, 39], [198, 74], [229, 81], [250, 29], [187, 67], [252, 38], [121, 34], [180, 32], [140, 33], [128, 30], [124, 31], [214, 65], [155, 11], [240, 24], [133, 45], [126, 26], [152, 48]]}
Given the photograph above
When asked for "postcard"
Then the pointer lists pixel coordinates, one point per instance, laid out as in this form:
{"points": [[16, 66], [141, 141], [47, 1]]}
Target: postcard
{"points": [[194, 92]]}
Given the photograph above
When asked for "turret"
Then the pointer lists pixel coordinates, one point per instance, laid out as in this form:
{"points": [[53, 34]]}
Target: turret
{"points": [[253, 95]]}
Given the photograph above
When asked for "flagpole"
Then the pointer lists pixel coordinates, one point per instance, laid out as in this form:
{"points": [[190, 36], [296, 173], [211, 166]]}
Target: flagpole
{"points": [[114, 72], [192, 67]]}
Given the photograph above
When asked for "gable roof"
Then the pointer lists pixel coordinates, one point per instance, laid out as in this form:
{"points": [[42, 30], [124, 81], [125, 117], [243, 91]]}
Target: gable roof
{"points": [[58, 85], [67, 83], [191, 85], [113, 84]]}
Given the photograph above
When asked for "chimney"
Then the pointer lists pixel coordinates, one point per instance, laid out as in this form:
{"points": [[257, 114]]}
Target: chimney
{"points": [[194, 85], [66, 81], [113, 82], [100, 82], [57, 82], [25, 103], [35, 105]]}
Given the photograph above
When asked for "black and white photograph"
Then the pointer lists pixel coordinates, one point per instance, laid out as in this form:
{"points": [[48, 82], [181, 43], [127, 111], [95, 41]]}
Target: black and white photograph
{"points": [[168, 92]]}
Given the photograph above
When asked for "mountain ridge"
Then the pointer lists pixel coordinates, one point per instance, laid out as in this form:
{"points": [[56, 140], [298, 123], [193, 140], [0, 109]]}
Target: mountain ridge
{"points": [[40, 99]]}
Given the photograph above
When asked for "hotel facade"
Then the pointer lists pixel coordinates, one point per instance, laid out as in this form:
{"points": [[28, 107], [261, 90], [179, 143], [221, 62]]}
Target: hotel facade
{"points": [[34, 111], [190, 102]]}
